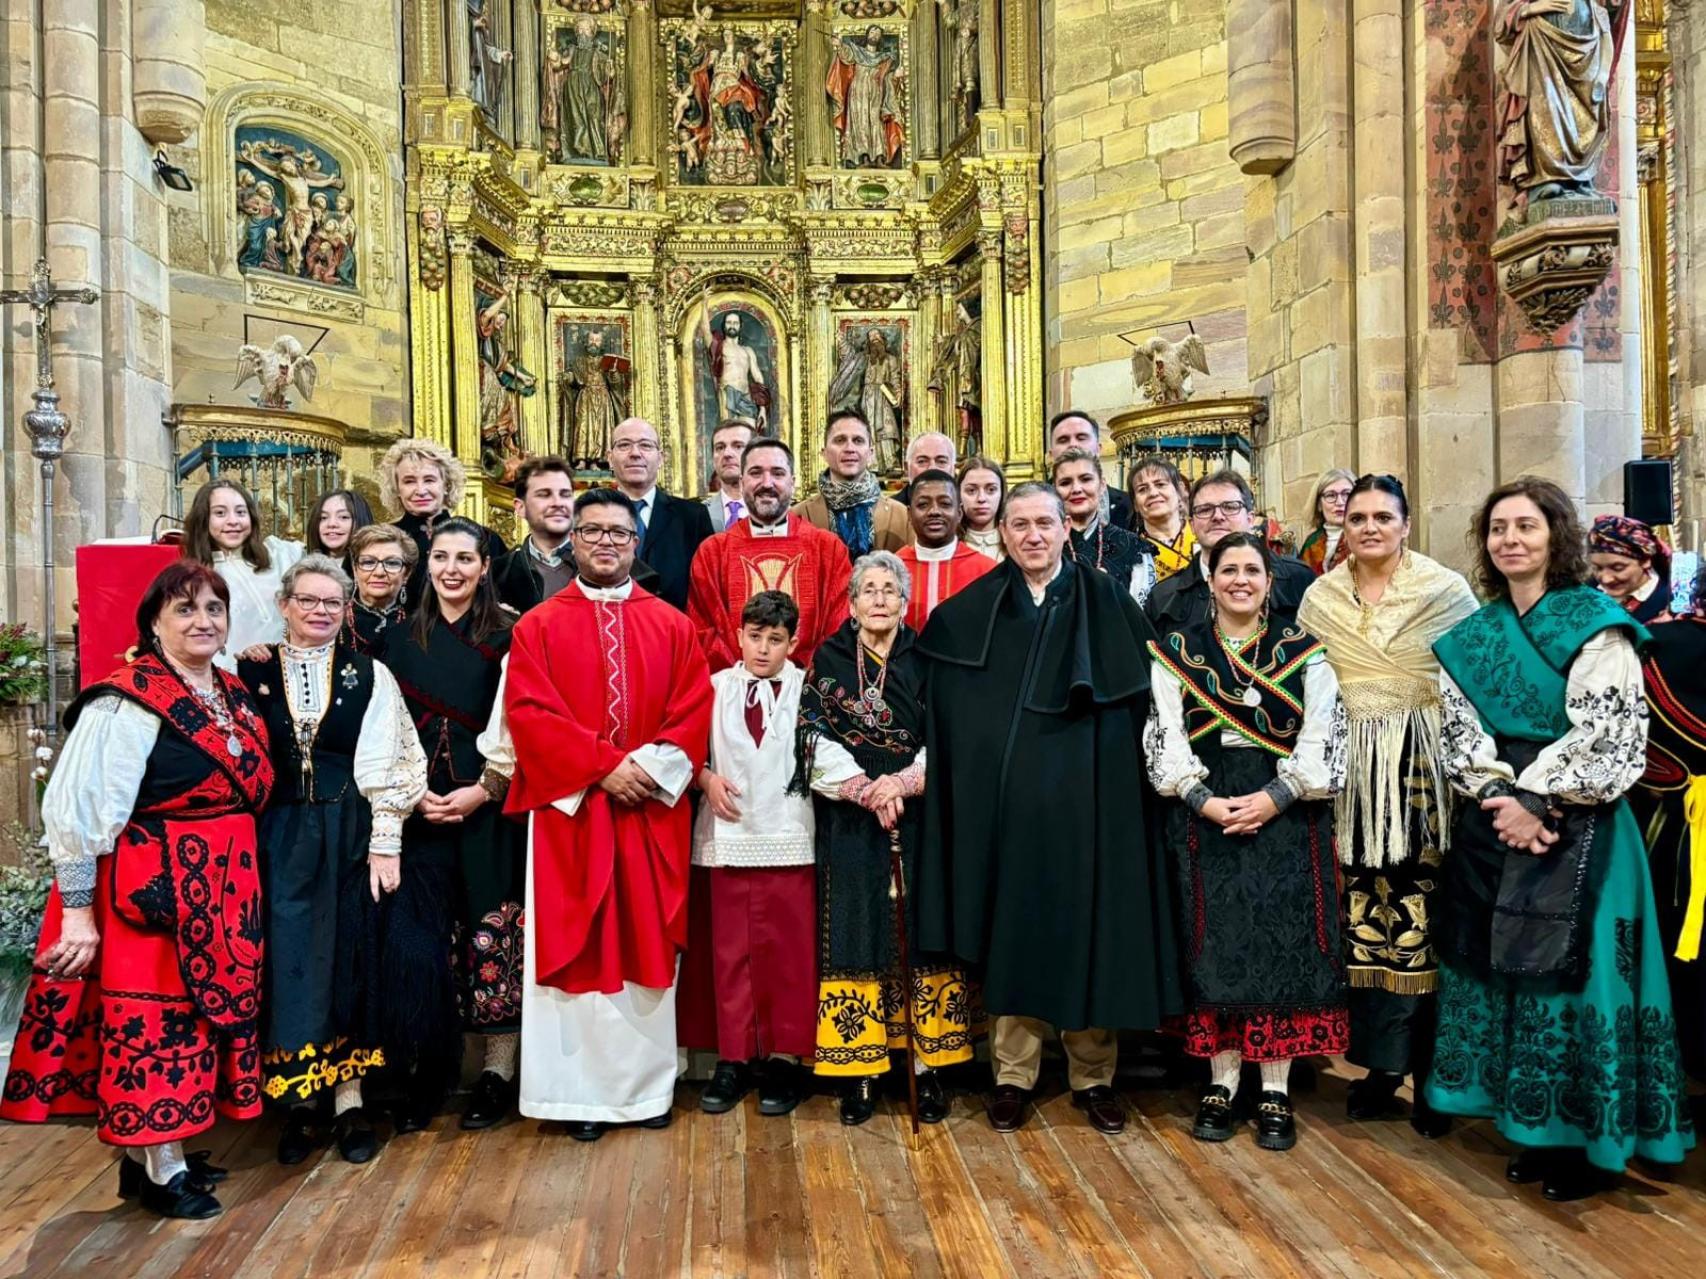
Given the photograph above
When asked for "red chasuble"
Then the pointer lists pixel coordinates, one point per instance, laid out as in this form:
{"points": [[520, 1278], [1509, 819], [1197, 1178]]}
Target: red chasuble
{"points": [[590, 682], [809, 565], [935, 580]]}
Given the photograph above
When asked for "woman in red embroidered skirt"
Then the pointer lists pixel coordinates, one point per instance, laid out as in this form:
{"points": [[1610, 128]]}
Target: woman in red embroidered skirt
{"points": [[142, 1007], [1247, 735]]}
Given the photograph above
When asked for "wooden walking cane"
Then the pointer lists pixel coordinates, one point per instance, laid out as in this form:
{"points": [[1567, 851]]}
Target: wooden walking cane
{"points": [[897, 894]]}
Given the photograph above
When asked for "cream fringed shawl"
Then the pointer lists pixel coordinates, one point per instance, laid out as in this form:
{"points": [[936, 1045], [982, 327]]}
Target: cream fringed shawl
{"points": [[1383, 656]]}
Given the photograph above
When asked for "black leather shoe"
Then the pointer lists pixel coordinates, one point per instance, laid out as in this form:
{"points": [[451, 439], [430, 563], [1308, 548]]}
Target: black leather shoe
{"points": [[859, 1100], [585, 1129], [1374, 1096], [1007, 1107], [1215, 1121], [490, 1101], [657, 1121], [204, 1176], [410, 1116], [1103, 1107], [1529, 1165], [780, 1088], [1276, 1128], [299, 1138], [178, 1198], [729, 1083], [1426, 1120], [1572, 1177], [357, 1142], [932, 1100]]}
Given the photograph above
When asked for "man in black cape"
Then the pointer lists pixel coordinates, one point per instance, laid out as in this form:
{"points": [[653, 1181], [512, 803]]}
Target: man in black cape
{"points": [[1035, 867]]}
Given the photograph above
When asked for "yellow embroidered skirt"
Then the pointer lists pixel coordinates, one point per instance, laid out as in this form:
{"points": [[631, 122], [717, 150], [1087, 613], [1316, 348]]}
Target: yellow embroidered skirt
{"points": [[297, 1077], [860, 1020]]}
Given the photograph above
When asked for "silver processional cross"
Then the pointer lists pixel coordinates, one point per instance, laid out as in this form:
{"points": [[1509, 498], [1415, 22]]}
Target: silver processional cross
{"points": [[48, 428]]}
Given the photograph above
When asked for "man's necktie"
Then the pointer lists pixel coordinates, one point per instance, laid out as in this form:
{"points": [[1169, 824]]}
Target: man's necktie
{"points": [[640, 516], [733, 510]]}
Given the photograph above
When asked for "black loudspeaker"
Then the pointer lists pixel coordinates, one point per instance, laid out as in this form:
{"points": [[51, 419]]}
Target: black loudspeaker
{"points": [[1646, 491]]}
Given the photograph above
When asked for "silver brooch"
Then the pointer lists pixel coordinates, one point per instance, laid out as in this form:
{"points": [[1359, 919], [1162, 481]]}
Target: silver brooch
{"points": [[348, 675]]}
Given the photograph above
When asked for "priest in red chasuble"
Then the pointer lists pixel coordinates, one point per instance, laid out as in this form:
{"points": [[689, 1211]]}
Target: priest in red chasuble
{"points": [[770, 550], [938, 563], [607, 711]]}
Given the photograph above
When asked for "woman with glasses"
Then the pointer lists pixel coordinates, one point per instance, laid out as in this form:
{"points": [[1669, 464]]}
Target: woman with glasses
{"points": [[223, 530], [342, 956], [383, 557], [861, 752], [448, 663], [1325, 547], [1160, 499], [333, 520], [1246, 736], [1094, 543], [1379, 614]]}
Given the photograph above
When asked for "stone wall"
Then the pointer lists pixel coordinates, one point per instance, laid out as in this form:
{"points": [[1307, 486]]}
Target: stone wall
{"points": [[332, 72]]}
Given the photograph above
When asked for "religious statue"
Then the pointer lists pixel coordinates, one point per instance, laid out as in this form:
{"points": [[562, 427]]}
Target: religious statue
{"points": [[486, 61], [1162, 369], [297, 172], [724, 110], [502, 379], [277, 368], [331, 246], [869, 378], [594, 385], [960, 17], [584, 116], [958, 362], [739, 376], [1554, 109], [865, 86]]}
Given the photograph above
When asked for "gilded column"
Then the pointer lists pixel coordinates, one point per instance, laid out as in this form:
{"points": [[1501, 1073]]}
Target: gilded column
{"points": [[924, 89], [526, 76], [993, 395], [926, 413], [648, 378], [643, 83], [814, 59], [990, 78], [537, 434], [429, 326], [457, 42], [1024, 337], [465, 351], [818, 369]]}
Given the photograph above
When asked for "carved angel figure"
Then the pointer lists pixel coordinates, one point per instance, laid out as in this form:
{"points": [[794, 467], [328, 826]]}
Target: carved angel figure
{"points": [[277, 368], [1162, 369]]}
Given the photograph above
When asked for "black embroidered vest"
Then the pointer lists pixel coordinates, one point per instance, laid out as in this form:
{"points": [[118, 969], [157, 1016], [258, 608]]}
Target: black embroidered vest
{"points": [[325, 775]]}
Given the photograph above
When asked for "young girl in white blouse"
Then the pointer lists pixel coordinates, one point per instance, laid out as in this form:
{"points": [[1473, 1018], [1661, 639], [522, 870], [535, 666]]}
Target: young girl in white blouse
{"points": [[223, 530]]}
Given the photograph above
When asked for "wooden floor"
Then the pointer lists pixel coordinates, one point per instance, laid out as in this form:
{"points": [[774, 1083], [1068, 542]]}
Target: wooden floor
{"points": [[739, 1195]]}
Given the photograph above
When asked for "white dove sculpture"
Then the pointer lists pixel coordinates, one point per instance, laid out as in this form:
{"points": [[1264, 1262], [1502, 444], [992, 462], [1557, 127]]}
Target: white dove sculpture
{"points": [[277, 368], [1162, 369]]}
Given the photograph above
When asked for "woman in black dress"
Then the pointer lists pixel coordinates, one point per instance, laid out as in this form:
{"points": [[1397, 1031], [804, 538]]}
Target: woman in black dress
{"points": [[383, 557], [448, 663]]}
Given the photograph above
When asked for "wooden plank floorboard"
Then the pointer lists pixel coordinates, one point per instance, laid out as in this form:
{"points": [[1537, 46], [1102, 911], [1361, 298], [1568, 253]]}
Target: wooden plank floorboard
{"points": [[738, 1196]]}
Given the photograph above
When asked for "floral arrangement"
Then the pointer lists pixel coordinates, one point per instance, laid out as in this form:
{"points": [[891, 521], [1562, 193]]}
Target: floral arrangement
{"points": [[26, 875], [23, 665]]}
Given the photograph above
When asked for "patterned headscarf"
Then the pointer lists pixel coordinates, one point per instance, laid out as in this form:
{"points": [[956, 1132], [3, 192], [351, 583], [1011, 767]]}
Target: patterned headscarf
{"points": [[1620, 535]]}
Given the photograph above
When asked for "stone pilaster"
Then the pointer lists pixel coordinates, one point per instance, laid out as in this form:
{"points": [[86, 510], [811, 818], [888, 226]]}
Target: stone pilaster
{"points": [[1540, 416], [169, 86], [1378, 212]]}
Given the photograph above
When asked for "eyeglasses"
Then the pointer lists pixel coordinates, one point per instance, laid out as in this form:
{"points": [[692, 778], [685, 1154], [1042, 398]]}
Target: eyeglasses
{"points": [[1336, 495], [367, 564], [634, 446], [314, 604], [592, 534], [1205, 509]]}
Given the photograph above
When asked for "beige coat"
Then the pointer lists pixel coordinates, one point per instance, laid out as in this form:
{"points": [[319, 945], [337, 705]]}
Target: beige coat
{"points": [[891, 527]]}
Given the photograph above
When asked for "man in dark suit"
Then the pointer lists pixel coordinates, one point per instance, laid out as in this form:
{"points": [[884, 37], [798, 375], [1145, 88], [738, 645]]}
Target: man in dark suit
{"points": [[1075, 430], [1221, 503], [671, 527]]}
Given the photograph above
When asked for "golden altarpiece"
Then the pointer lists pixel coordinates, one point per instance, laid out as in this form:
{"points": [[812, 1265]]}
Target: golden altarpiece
{"points": [[752, 209]]}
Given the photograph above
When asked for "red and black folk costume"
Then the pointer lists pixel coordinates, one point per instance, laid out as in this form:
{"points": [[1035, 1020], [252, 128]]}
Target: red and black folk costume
{"points": [[150, 821], [1265, 976]]}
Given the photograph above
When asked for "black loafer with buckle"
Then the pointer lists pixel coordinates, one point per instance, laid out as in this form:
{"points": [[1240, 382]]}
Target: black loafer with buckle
{"points": [[1215, 1120], [1276, 1128]]}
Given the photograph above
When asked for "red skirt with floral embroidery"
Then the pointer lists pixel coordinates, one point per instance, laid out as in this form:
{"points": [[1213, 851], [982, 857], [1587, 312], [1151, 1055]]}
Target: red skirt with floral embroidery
{"points": [[1267, 1035]]}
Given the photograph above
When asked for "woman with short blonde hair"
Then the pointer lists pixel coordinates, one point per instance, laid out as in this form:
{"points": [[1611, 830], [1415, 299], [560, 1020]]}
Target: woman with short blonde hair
{"points": [[421, 482]]}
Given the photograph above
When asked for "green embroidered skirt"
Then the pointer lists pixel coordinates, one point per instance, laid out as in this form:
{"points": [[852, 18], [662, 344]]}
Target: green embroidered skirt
{"points": [[1596, 1069]]}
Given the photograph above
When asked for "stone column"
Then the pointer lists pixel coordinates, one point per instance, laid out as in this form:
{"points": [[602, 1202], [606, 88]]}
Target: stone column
{"points": [[1538, 398], [458, 46], [1378, 229], [1261, 112], [537, 434], [643, 83], [526, 44], [992, 396], [169, 85], [924, 89], [465, 350], [814, 63]]}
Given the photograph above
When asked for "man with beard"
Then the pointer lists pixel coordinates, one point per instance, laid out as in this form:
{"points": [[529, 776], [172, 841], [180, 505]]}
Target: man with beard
{"points": [[606, 714], [544, 563], [724, 502], [1221, 503], [849, 501], [1034, 867], [938, 563], [772, 549], [670, 527]]}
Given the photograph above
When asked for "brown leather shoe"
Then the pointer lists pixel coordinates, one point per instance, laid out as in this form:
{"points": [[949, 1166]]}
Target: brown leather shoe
{"points": [[1007, 1107], [1103, 1106]]}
